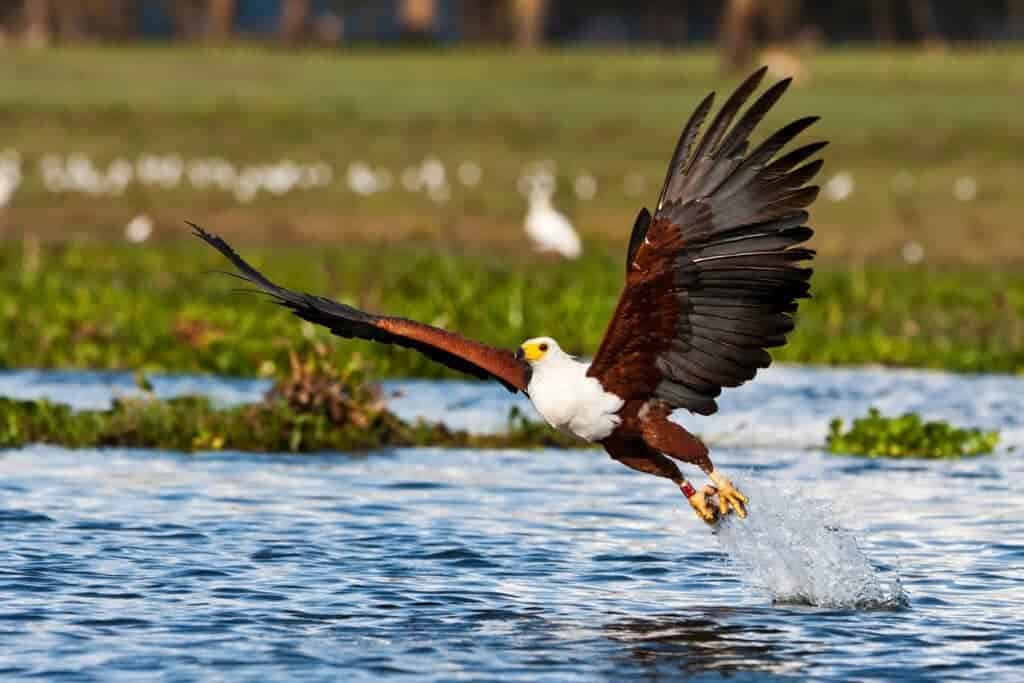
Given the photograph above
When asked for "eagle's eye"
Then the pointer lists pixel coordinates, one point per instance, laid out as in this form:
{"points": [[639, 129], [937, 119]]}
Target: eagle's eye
{"points": [[544, 348]]}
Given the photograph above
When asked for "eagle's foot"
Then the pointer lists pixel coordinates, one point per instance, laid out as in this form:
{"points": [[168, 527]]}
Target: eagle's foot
{"points": [[729, 497], [700, 501]]}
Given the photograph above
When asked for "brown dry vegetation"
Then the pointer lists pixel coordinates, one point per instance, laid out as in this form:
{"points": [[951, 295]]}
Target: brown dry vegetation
{"points": [[932, 117]]}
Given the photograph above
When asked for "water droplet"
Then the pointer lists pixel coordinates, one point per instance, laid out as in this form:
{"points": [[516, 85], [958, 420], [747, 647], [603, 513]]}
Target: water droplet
{"points": [[794, 549]]}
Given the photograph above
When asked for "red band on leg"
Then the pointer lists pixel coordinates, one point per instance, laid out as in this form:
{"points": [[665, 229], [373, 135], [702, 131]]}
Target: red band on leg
{"points": [[687, 489]]}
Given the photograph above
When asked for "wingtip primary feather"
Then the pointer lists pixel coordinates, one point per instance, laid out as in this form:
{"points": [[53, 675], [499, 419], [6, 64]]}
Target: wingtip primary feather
{"points": [[687, 138], [198, 231], [754, 80], [725, 116], [737, 136]]}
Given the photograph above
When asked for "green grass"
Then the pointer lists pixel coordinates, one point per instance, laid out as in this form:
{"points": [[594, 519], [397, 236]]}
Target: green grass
{"points": [[935, 116], [158, 307], [86, 299]]}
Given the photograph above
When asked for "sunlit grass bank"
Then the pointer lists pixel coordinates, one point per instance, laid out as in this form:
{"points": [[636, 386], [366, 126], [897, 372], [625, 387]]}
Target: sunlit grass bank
{"points": [[906, 127], [159, 308], [927, 147]]}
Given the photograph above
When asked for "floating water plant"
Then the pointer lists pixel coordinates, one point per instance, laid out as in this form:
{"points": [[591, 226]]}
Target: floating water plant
{"points": [[315, 407], [907, 436]]}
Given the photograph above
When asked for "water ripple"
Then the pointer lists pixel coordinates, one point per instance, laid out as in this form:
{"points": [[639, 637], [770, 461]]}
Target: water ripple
{"points": [[441, 565]]}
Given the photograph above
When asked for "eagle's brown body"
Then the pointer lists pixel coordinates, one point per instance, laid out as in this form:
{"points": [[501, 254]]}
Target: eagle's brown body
{"points": [[646, 436], [712, 281]]}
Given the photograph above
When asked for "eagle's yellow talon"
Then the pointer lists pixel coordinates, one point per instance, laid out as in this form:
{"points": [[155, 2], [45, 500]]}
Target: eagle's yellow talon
{"points": [[729, 496], [701, 505]]}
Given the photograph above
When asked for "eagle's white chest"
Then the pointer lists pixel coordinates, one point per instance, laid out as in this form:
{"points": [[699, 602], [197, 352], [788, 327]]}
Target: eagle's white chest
{"points": [[571, 401]]}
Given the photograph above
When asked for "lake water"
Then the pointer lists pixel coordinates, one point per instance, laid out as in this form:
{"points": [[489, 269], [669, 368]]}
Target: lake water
{"points": [[551, 565]]}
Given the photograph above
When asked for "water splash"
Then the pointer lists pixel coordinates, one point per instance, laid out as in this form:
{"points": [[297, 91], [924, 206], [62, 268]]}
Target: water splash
{"points": [[791, 546]]}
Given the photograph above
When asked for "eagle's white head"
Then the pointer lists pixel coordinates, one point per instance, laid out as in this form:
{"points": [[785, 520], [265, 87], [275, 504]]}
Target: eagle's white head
{"points": [[565, 395], [541, 350]]}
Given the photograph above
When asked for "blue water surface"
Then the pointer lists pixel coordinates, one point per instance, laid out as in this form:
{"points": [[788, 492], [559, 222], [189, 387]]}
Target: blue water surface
{"points": [[446, 565]]}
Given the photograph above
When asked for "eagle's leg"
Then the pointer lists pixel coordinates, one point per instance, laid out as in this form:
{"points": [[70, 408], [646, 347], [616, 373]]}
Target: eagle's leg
{"points": [[636, 454], [666, 436]]}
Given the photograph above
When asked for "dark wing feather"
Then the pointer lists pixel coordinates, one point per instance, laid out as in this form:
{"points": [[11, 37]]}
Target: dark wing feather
{"points": [[685, 144], [447, 348], [713, 278], [636, 238]]}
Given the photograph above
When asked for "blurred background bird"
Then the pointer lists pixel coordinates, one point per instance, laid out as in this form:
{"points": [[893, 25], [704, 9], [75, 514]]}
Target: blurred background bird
{"points": [[10, 175], [548, 229]]}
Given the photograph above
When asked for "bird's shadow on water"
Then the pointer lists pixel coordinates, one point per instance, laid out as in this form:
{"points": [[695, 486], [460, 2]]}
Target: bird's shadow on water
{"points": [[717, 641]]}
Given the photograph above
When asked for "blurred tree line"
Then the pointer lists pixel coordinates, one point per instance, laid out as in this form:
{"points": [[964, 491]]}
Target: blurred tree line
{"points": [[738, 25]]}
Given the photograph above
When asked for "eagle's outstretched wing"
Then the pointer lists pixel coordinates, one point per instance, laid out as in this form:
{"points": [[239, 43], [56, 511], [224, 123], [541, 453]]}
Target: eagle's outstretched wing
{"points": [[459, 353], [712, 278]]}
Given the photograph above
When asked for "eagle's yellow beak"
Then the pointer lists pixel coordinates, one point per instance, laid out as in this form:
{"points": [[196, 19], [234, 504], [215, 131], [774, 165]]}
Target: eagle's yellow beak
{"points": [[532, 351]]}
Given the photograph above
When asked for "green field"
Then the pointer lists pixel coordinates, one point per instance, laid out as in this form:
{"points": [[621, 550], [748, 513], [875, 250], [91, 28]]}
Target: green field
{"points": [[890, 116], [121, 306], [76, 296]]}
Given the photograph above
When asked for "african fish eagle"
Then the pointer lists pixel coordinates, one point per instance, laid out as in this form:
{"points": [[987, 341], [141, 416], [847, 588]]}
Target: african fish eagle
{"points": [[712, 280]]}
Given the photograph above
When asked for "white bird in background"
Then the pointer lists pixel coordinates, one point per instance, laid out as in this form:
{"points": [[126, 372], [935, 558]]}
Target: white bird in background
{"points": [[548, 229], [10, 176], [139, 228]]}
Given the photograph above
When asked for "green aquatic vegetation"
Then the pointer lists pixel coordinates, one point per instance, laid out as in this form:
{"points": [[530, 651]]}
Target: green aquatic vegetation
{"points": [[907, 436], [193, 424], [156, 307], [316, 407]]}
